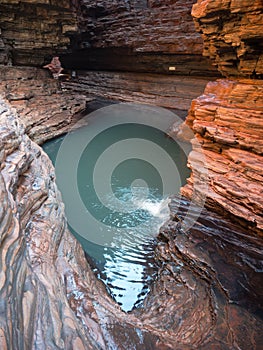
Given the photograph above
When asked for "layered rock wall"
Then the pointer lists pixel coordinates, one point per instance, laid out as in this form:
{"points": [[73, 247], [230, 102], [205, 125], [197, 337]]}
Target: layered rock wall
{"points": [[138, 36], [143, 26], [44, 108], [228, 118], [232, 34], [32, 224], [228, 122], [138, 51], [31, 31], [168, 91], [50, 299]]}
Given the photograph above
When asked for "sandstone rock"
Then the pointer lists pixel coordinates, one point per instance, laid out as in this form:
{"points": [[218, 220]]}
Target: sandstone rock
{"points": [[32, 31], [162, 90], [45, 109], [138, 35], [50, 298], [232, 34], [32, 224], [227, 121], [149, 26]]}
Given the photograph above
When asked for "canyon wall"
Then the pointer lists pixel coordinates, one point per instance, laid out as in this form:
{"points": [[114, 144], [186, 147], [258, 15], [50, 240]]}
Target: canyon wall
{"points": [[138, 35], [50, 298], [32, 225], [169, 91], [228, 117], [45, 109], [232, 35], [32, 31], [138, 51]]}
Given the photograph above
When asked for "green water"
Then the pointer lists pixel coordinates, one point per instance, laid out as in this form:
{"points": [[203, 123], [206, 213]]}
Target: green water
{"points": [[126, 198]]}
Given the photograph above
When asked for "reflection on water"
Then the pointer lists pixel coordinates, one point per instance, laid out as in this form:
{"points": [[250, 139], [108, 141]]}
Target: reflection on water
{"points": [[128, 267]]}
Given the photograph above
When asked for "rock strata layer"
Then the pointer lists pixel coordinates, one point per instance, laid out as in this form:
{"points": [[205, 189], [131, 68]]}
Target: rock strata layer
{"points": [[227, 118], [144, 26], [138, 36], [44, 108], [232, 34], [228, 123], [33, 30], [156, 89]]}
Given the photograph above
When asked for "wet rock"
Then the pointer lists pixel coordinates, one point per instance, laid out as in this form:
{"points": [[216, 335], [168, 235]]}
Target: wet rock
{"points": [[206, 288]]}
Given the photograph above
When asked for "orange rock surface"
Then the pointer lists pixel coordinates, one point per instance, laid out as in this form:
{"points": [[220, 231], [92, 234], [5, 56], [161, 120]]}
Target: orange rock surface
{"points": [[232, 34], [228, 123], [228, 118]]}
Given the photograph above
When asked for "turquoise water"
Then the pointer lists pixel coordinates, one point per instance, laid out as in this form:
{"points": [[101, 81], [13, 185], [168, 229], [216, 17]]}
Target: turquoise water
{"points": [[131, 207]]}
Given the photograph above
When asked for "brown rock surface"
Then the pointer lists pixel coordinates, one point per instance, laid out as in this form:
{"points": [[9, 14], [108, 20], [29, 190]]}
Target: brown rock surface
{"points": [[148, 26], [227, 118], [232, 31], [157, 89], [228, 122], [33, 30], [45, 109], [138, 36]]}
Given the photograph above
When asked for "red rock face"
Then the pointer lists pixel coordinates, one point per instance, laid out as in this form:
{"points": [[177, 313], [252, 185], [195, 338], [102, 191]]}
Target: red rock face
{"points": [[232, 34], [227, 118], [227, 121], [148, 26], [45, 110], [170, 91], [55, 302]]}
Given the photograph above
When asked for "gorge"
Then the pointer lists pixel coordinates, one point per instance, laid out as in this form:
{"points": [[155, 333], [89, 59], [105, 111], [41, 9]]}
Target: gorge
{"points": [[206, 293]]}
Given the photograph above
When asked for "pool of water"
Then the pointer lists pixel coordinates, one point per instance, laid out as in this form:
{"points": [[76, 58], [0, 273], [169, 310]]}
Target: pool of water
{"points": [[124, 215]]}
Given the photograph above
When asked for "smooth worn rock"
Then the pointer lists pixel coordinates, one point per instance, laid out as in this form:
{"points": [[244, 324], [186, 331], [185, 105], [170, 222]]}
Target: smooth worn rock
{"points": [[50, 299], [228, 124], [232, 31], [45, 109], [156, 89]]}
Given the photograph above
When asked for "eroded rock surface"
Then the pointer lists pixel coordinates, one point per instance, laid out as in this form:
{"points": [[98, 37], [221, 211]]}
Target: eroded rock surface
{"points": [[148, 26], [45, 109], [35, 313], [156, 89], [227, 118], [33, 30], [228, 122], [232, 34], [203, 297], [138, 36]]}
